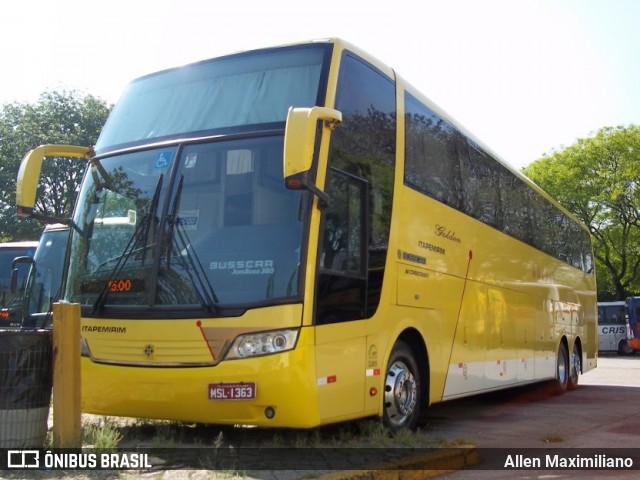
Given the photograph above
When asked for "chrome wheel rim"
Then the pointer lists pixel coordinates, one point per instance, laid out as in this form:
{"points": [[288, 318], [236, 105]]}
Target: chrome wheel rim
{"points": [[400, 394], [562, 367], [575, 366]]}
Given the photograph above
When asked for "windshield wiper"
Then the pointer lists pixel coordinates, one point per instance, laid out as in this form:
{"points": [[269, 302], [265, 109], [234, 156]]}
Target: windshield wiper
{"points": [[192, 265], [107, 181], [137, 242]]}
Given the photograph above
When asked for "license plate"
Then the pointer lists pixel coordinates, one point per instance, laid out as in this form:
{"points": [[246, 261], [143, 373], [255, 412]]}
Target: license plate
{"points": [[232, 391]]}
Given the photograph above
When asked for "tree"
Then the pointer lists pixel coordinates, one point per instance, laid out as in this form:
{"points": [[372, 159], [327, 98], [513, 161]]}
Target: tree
{"points": [[58, 117], [598, 180]]}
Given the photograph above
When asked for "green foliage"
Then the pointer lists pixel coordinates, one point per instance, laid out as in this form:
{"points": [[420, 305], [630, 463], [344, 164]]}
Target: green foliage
{"points": [[58, 117], [598, 179], [102, 435]]}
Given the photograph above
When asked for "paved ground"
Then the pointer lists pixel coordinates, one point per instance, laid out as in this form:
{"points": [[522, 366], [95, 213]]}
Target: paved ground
{"points": [[529, 417], [601, 414]]}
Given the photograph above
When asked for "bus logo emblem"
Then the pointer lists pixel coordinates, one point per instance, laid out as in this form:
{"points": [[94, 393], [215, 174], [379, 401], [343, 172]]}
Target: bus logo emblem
{"points": [[149, 350]]}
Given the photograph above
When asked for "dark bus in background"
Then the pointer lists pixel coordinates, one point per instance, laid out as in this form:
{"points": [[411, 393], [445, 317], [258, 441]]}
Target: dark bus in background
{"points": [[633, 322], [10, 301], [42, 286]]}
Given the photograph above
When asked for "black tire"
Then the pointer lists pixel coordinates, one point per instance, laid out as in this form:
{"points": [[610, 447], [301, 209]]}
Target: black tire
{"points": [[402, 389], [575, 367], [561, 382], [624, 348]]}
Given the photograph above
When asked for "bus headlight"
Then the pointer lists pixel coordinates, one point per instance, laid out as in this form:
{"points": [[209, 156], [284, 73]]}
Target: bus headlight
{"points": [[262, 343]]}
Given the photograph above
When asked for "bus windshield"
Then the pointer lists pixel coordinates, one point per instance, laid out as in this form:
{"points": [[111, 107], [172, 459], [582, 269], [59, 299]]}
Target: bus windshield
{"points": [[255, 88], [45, 276], [185, 203], [9, 251], [203, 224]]}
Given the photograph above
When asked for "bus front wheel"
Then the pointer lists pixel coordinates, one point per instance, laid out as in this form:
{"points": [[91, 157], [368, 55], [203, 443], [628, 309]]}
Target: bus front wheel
{"points": [[401, 390]]}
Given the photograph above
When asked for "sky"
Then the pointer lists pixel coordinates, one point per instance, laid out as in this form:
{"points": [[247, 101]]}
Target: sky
{"points": [[526, 77]]}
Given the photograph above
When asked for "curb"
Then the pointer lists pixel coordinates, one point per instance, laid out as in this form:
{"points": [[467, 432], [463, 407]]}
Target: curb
{"points": [[428, 465]]}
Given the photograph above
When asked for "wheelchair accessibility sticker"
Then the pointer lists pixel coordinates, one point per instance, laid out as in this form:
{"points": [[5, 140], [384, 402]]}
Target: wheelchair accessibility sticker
{"points": [[163, 160]]}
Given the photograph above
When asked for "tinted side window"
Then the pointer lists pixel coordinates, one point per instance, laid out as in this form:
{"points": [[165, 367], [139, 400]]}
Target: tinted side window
{"points": [[441, 163], [432, 166], [515, 205], [611, 314], [481, 187]]}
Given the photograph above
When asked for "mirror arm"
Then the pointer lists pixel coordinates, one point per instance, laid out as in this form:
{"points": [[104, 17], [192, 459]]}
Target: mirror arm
{"points": [[50, 219], [301, 181], [323, 199]]}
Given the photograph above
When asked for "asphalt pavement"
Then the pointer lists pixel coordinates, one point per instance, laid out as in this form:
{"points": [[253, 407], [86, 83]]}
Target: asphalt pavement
{"points": [[599, 418], [505, 433]]}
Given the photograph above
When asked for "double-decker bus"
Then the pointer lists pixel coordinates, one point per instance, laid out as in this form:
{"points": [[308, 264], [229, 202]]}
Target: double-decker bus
{"points": [[296, 236]]}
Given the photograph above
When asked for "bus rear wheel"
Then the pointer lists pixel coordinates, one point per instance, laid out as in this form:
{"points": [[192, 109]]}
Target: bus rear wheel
{"points": [[401, 390], [575, 367], [562, 370]]}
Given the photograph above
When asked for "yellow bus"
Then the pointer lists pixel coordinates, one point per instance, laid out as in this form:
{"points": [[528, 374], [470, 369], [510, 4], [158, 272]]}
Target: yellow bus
{"points": [[295, 236]]}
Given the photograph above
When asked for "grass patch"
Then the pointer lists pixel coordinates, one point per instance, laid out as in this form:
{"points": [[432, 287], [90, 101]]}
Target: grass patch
{"points": [[104, 434], [107, 432], [354, 434]]}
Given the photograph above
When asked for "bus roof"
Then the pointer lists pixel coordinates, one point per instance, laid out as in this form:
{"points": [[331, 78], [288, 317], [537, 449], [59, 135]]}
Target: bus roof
{"points": [[20, 244]]}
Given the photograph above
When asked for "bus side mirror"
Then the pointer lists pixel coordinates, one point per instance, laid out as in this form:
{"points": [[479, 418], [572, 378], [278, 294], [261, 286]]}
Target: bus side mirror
{"points": [[299, 145], [29, 173], [15, 271]]}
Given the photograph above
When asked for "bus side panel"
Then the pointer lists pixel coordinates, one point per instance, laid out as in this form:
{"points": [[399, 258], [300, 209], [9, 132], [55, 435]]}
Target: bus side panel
{"points": [[340, 369], [612, 325], [517, 303]]}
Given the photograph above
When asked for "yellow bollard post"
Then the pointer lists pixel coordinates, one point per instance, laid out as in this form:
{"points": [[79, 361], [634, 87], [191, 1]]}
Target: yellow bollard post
{"points": [[67, 427]]}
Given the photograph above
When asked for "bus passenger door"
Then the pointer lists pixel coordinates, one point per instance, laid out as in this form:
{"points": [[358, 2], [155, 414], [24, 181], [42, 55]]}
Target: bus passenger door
{"points": [[341, 297]]}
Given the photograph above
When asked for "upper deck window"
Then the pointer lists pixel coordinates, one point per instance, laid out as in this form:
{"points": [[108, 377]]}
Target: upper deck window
{"points": [[236, 91]]}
